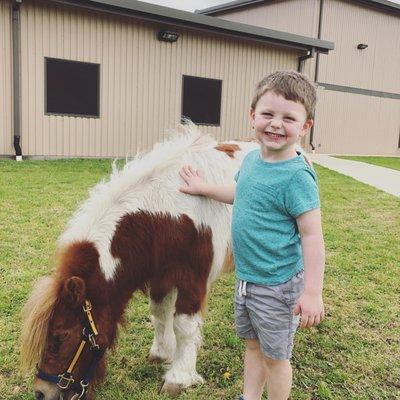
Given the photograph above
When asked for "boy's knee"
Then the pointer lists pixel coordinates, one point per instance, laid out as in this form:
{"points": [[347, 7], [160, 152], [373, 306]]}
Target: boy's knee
{"points": [[253, 345], [273, 363]]}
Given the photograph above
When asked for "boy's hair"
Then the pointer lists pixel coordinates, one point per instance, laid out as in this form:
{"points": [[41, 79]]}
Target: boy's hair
{"points": [[292, 86]]}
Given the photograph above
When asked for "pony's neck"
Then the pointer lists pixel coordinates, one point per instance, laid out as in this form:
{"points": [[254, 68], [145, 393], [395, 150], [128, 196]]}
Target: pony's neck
{"points": [[108, 297]]}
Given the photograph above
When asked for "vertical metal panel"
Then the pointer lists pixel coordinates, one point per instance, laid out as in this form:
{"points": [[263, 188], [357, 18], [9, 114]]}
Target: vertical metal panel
{"points": [[340, 116], [140, 80], [377, 68], [295, 16], [345, 123], [6, 96]]}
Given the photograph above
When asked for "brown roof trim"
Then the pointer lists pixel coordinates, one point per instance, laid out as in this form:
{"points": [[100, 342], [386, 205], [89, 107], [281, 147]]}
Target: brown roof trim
{"points": [[382, 4], [178, 18]]}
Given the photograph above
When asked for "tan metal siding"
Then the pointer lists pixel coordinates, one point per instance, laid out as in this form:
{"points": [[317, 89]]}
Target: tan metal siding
{"points": [[345, 123], [377, 67], [349, 123], [140, 80], [6, 97], [295, 16]]}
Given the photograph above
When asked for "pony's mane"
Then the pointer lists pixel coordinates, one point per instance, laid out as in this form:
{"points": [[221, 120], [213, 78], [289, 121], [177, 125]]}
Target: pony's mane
{"points": [[141, 170], [164, 154], [36, 316]]}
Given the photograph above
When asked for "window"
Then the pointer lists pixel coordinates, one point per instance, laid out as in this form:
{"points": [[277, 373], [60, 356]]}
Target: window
{"points": [[202, 100], [72, 88]]}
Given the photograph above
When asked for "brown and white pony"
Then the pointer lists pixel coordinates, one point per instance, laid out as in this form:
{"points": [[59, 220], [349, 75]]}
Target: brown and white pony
{"points": [[136, 231]]}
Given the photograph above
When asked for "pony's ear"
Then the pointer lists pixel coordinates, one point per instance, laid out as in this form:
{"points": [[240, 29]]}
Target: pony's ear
{"points": [[74, 291]]}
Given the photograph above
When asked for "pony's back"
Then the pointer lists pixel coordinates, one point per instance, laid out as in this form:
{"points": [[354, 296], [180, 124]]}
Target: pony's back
{"points": [[150, 183]]}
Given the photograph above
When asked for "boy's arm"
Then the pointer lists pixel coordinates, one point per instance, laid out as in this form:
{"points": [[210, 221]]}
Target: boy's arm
{"points": [[197, 186], [310, 305]]}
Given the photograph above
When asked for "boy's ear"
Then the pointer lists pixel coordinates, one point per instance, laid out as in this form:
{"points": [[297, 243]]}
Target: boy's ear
{"points": [[252, 114], [307, 126]]}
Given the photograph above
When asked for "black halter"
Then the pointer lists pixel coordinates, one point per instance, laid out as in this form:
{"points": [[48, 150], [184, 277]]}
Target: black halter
{"points": [[65, 381]]}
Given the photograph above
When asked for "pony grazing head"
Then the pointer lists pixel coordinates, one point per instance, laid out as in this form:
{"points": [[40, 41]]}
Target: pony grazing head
{"points": [[60, 337]]}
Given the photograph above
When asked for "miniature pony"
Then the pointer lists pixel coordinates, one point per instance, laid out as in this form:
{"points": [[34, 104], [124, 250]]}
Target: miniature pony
{"points": [[136, 231]]}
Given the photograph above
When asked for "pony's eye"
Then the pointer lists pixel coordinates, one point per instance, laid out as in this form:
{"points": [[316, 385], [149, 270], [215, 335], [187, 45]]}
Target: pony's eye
{"points": [[56, 341], [54, 346], [61, 337]]}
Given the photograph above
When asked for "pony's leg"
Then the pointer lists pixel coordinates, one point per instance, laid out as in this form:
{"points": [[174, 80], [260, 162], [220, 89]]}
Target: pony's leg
{"points": [[162, 314], [182, 372], [187, 328]]}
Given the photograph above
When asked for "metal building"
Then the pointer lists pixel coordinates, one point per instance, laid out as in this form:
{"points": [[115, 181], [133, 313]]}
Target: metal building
{"points": [[358, 110], [107, 78]]}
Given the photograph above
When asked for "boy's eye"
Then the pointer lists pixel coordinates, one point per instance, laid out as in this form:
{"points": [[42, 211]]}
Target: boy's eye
{"points": [[266, 114], [290, 119]]}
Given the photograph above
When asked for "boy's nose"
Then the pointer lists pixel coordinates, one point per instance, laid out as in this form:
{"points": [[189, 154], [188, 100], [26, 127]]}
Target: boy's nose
{"points": [[275, 123]]}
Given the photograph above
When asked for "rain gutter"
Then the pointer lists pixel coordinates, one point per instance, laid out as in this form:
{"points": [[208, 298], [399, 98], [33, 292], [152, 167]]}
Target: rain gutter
{"points": [[321, 14], [178, 18], [302, 60]]}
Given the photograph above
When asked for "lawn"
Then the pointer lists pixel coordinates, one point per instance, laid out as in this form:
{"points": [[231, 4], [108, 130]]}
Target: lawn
{"points": [[388, 162], [353, 354]]}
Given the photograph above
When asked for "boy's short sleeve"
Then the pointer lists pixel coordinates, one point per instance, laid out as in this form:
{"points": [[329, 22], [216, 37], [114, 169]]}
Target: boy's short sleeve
{"points": [[302, 193], [249, 156]]}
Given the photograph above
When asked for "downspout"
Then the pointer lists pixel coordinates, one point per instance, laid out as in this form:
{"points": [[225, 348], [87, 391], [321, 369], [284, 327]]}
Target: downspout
{"points": [[316, 76], [16, 30], [302, 62]]}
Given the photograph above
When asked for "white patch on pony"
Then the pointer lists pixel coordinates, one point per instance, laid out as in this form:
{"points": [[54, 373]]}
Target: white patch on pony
{"points": [[188, 339], [164, 342], [151, 183]]}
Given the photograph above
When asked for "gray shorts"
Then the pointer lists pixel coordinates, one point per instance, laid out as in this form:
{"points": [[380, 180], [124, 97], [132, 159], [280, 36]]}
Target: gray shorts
{"points": [[265, 313]]}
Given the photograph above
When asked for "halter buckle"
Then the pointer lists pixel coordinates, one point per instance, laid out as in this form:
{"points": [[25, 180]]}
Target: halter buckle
{"points": [[93, 344], [84, 384], [91, 338], [65, 380], [87, 307]]}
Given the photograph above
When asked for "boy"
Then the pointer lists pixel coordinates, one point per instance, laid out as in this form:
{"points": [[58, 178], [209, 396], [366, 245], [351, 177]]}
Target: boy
{"points": [[276, 234]]}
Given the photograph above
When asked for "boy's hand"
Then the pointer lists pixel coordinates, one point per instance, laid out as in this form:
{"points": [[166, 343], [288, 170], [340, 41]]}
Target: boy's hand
{"points": [[197, 185], [193, 179], [311, 308]]}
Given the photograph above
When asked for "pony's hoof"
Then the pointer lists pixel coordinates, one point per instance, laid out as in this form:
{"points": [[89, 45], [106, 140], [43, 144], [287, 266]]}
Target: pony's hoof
{"points": [[172, 389], [155, 359]]}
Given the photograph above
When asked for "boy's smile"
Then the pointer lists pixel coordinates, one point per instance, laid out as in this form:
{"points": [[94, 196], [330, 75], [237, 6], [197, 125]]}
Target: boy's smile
{"points": [[274, 136], [278, 123]]}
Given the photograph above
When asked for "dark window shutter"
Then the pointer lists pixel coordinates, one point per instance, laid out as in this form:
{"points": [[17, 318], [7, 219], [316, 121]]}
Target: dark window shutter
{"points": [[202, 100], [72, 88]]}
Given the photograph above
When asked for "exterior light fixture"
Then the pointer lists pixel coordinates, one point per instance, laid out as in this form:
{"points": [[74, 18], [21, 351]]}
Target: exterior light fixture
{"points": [[167, 36], [362, 46]]}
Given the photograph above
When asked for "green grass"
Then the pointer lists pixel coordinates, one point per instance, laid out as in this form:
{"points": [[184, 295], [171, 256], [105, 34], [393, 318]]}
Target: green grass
{"points": [[353, 354], [388, 162]]}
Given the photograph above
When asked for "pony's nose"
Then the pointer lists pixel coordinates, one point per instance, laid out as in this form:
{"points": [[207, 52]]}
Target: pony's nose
{"points": [[39, 395]]}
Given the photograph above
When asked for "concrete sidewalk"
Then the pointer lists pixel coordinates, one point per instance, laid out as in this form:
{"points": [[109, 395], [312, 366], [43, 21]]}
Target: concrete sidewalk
{"points": [[385, 179]]}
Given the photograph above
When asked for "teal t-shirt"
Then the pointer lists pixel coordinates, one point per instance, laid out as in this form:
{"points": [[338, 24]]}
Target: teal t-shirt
{"points": [[269, 197]]}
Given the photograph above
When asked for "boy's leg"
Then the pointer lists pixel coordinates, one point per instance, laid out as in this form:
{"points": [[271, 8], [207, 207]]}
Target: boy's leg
{"points": [[255, 371], [259, 369], [254, 364], [271, 312], [279, 378]]}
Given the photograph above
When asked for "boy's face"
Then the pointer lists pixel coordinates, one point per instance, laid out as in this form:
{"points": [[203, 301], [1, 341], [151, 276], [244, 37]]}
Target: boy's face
{"points": [[278, 124]]}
